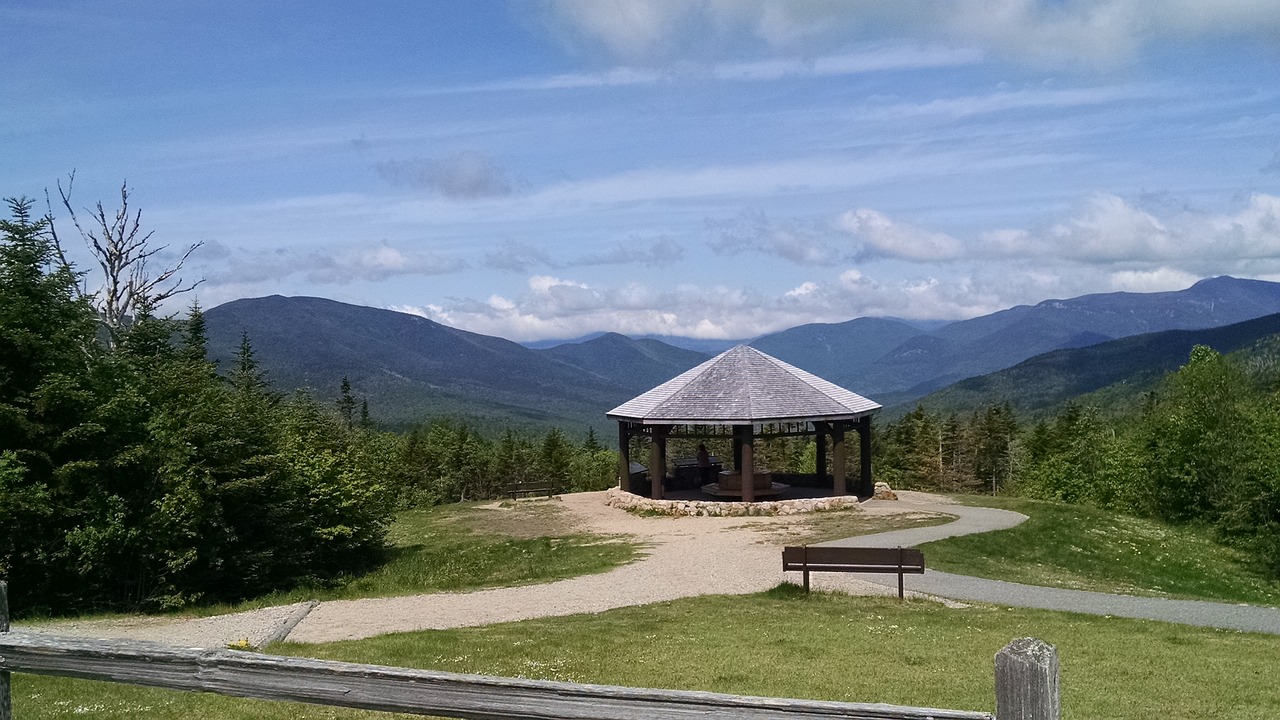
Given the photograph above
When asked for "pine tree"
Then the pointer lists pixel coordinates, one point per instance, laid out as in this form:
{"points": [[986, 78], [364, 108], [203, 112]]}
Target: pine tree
{"points": [[246, 376], [346, 404]]}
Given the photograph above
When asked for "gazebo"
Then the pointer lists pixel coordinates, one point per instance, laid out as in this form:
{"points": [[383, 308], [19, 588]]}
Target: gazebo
{"points": [[752, 395]]}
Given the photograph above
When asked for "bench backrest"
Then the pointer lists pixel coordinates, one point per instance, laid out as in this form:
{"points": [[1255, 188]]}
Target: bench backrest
{"points": [[837, 556]]}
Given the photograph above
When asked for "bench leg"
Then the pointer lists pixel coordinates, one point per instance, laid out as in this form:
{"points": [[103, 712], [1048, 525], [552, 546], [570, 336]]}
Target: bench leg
{"points": [[900, 585], [806, 580]]}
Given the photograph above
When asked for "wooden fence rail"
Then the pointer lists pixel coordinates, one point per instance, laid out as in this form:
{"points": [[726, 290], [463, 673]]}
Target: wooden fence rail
{"points": [[1021, 682]]}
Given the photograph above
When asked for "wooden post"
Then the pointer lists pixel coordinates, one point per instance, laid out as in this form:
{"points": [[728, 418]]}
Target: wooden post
{"points": [[805, 555], [900, 589], [820, 438], [1027, 681], [657, 465], [866, 485], [838, 486], [737, 450], [624, 457], [6, 702], [662, 432], [748, 472]]}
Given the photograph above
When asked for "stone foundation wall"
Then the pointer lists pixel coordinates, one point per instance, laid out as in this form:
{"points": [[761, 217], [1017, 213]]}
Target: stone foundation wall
{"points": [[709, 508]]}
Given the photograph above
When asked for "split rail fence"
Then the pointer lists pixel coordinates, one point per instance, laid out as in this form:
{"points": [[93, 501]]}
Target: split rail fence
{"points": [[1026, 685]]}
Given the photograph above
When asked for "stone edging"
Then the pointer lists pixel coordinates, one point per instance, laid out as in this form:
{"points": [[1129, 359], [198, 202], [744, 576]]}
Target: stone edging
{"points": [[619, 498]]}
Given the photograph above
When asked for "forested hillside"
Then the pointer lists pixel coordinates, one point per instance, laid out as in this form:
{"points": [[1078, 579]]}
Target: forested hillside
{"points": [[409, 367], [1199, 447], [1113, 374], [135, 476]]}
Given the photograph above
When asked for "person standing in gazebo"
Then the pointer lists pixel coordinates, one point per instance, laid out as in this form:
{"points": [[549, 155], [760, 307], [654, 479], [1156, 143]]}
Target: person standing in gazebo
{"points": [[704, 463]]}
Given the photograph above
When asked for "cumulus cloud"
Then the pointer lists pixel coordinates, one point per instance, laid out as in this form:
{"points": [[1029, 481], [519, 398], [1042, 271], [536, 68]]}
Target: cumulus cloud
{"points": [[461, 176], [1089, 32], [1158, 280], [878, 236], [1105, 228], [558, 307], [918, 297]]}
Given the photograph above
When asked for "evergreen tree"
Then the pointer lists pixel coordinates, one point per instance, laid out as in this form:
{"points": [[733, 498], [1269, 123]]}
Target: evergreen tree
{"points": [[346, 404], [247, 376]]}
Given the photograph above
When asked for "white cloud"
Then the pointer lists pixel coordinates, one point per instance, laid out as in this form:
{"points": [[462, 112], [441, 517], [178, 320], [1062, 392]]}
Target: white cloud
{"points": [[877, 57], [554, 307], [805, 289], [1158, 280], [1089, 32], [921, 297], [1106, 229], [880, 237], [1008, 100]]}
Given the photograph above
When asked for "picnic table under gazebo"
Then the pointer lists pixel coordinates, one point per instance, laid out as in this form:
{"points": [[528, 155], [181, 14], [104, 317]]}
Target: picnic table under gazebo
{"points": [[748, 395]]}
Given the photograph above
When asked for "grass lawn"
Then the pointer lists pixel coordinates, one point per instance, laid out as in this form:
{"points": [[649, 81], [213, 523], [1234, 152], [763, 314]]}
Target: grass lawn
{"points": [[783, 643], [1084, 548], [472, 545]]}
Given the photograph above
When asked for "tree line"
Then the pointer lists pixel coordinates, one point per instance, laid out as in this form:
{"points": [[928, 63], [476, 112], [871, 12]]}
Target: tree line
{"points": [[1203, 447], [136, 475]]}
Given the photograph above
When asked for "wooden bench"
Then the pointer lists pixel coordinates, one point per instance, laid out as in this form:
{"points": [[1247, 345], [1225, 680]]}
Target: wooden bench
{"points": [[537, 487], [898, 560]]}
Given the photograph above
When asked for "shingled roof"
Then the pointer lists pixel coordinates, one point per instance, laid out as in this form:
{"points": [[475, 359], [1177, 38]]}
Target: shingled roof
{"points": [[743, 385]]}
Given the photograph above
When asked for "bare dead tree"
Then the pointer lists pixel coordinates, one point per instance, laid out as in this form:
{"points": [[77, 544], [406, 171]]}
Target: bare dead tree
{"points": [[122, 252]]}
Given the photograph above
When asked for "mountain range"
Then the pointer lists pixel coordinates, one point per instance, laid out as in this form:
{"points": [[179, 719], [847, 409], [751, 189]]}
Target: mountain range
{"points": [[1121, 369], [411, 368]]}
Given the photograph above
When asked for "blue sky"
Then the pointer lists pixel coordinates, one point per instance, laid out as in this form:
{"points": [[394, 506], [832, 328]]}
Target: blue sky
{"points": [[706, 168]]}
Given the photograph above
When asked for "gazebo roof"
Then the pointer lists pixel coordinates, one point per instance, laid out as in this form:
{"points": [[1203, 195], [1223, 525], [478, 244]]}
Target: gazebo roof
{"points": [[739, 386]]}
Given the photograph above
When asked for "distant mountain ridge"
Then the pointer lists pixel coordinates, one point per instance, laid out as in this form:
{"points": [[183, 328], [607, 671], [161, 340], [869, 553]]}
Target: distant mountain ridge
{"points": [[622, 361], [1127, 367], [927, 361], [412, 368]]}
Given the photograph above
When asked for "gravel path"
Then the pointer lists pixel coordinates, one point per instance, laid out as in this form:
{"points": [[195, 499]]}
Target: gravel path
{"points": [[686, 557], [969, 520]]}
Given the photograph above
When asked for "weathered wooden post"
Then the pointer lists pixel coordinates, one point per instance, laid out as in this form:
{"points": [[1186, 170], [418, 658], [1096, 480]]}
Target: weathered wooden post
{"points": [[1027, 681], [6, 704]]}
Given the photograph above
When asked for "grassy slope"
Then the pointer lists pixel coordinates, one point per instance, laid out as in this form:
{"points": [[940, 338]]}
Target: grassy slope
{"points": [[821, 646], [1084, 548], [473, 545], [826, 646]]}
